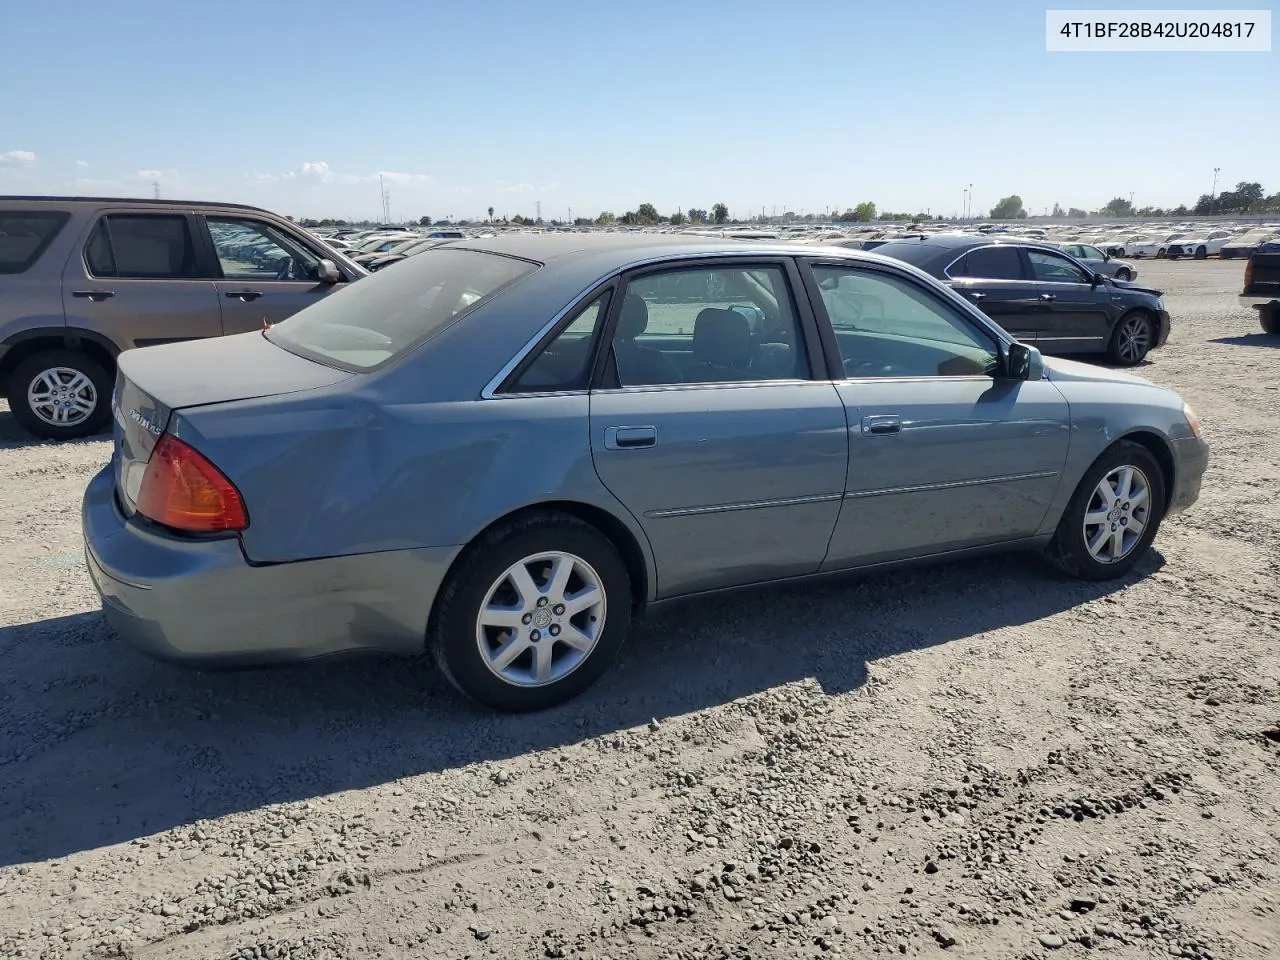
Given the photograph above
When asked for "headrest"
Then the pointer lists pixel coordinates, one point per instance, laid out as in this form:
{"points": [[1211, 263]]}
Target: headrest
{"points": [[634, 318], [721, 337]]}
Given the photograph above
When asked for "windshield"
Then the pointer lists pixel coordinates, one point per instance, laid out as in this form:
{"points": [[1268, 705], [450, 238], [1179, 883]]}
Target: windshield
{"points": [[379, 318]]}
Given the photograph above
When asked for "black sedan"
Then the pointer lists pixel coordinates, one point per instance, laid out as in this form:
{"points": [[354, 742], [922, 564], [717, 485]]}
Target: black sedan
{"points": [[1042, 296]]}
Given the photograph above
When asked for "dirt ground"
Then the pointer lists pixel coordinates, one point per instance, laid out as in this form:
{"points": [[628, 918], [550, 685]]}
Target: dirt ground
{"points": [[979, 760]]}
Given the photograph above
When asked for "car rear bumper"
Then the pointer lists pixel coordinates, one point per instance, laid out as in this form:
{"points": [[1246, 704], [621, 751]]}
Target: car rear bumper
{"points": [[1258, 302], [201, 602], [1190, 460]]}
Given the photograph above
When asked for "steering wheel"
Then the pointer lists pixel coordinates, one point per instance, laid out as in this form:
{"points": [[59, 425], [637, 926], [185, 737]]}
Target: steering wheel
{"points": [[284, 268]]}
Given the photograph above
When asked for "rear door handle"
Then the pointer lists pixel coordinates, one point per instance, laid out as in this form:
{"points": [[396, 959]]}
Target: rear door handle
{"points": [[1050, 297], [977, 297], [630, 438], [248, 296], [97, 296], [880, 425]]}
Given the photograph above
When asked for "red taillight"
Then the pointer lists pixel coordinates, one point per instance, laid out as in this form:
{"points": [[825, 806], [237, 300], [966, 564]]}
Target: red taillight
{"points": [[183, 490], [1248, 273]]}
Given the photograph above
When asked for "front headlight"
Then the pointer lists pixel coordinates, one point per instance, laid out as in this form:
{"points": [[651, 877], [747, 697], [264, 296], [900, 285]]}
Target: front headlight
{"points": [[1192, 420]]}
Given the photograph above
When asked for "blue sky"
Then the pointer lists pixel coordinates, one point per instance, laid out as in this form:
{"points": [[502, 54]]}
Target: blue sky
{"points": [[298, 106]]}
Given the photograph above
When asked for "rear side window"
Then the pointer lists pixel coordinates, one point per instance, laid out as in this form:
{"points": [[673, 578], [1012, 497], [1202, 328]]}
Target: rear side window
{"points": [[386, 315], [24, 236], [142, 247], [990, 263]]}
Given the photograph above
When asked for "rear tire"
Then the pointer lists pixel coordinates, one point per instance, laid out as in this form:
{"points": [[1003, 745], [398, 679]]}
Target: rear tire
{"points": [[503, 622], [1269, 317], [1093, 517], [60, 394], [1132, 339]]}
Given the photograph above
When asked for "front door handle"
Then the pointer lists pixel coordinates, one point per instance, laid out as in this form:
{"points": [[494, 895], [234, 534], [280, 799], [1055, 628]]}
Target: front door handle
{"points": [[1049, 297], [977, 297], [97, 296], [881, 425], [630, 438], [246, 296]]}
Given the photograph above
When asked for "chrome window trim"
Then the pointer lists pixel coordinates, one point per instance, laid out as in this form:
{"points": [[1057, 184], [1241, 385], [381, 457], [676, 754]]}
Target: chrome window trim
{"points": [[659, 387]]}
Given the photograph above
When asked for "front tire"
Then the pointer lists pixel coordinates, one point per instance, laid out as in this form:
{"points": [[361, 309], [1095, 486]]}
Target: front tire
{"points": [[1113, 515], [533, 613], [1269, 317], [60, 394], [1131, 341], [1124, 275]]}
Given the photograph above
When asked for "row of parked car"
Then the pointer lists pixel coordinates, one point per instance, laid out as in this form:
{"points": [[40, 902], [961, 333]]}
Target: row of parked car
{"points": [[82, 280]]}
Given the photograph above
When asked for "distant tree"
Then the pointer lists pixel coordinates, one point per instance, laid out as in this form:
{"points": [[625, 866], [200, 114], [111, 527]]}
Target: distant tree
{"points": [[605, 219], [424, 221], [1248, 194], [719, 213], [491, 213], [582, 221], [1117, 207], [1009, 208], [1057, 211], [697, 216], [518, 219], [1179, 211], [1204, 204], [865, 211], [1076, 213], [647, 214], [677, 218]]}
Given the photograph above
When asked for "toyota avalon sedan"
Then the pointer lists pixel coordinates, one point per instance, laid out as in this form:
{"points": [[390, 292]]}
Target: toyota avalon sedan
{"points": [[503, 449]]}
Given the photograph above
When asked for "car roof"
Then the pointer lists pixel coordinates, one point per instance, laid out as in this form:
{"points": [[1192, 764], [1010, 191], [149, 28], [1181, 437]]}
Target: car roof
{"points": [[129, 201]]}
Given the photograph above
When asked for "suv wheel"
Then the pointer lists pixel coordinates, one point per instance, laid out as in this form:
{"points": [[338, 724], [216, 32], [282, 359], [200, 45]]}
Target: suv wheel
{"points": [[1269, 317], [1124, 275], [60, 394], [533, 613], [1201, 253]]}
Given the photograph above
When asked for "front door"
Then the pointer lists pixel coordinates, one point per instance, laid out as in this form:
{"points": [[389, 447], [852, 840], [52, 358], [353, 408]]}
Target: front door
{"points": [[1075, 308], [710, 430], [139, 280], [943, 455], [265, 274]]}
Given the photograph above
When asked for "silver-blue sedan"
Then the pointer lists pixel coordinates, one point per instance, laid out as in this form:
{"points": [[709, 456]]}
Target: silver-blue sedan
{"points": [[501, 450]]}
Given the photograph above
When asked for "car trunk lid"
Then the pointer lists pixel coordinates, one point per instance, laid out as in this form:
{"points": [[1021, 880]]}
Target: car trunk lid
{"points": [[153, 382]]}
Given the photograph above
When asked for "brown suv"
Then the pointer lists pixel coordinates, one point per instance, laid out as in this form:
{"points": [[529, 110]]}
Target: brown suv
{"points": [[82, 279]]}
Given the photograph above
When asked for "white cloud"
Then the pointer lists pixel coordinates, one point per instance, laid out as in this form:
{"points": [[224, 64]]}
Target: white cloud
{"points": [[161, 175], [82, 164], [504, 187], [320, 170], [18, 158]]}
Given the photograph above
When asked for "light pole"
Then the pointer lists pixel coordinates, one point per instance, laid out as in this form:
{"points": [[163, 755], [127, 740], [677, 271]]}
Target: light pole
{"points": [[971, 201], [964, 205], [1213, 193]]}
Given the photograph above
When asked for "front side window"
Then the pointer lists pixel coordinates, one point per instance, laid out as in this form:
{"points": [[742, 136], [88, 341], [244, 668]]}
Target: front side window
{"points": [[708, 325], [991, 263], [564, 363], [142, 247], [889, 327], [252, 250], [25, 236], [1053, 268], [1091, 253], [385, 315]]}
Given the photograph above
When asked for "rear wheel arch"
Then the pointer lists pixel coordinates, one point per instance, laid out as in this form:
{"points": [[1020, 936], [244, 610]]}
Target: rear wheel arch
{"points": [[24, 344]]}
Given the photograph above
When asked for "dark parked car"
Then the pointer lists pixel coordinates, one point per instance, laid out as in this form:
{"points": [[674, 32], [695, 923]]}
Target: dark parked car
{"points": [[1042, 296], [501, 449], [83, 278], [1262, 285]]}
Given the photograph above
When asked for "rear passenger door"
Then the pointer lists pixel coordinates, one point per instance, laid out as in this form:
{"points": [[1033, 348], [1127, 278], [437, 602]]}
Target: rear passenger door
{"points": [[140, 279], [995, 279], [264, 273], [717, 427]]}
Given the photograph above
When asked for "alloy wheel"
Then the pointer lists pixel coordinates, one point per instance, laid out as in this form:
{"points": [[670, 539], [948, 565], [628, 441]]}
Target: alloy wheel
{"points": [[1117, 514], [541, 619], [1133, 339], [62, 396]]}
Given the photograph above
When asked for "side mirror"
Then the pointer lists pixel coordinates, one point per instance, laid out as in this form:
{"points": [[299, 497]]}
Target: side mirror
{"points": [[327, 272], [1023, 362], [1096, 279]]}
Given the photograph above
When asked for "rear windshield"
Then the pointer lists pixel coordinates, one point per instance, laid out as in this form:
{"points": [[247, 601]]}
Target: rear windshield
{"points": [[910, 251], [24, 236], [377, 318]]}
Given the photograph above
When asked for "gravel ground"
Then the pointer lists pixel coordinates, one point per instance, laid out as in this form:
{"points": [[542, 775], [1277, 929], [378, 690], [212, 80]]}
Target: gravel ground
{"points": [[979, 758]]}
